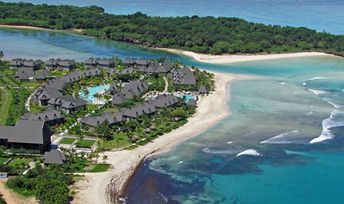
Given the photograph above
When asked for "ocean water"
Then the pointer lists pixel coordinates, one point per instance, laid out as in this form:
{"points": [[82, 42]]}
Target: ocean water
{"points": [[322, 15], [287, 126]]}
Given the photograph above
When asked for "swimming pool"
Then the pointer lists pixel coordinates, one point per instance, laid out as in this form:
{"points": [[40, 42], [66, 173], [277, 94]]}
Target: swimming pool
{"points": [[92, 91], [186, 98]]}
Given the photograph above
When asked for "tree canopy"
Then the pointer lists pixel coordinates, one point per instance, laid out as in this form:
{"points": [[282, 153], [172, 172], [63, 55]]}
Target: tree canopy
{"points": [[200, 34]]}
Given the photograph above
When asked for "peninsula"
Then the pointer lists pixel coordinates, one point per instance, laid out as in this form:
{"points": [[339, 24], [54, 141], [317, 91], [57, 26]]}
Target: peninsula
{"points": [[208, 35]]}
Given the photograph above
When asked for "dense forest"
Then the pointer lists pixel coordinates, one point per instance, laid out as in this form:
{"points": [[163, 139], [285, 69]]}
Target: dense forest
{"points": [[199, 34]]}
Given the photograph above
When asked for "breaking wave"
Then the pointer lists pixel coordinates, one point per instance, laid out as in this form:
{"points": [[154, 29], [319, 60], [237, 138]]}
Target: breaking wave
{"points": [[327, 124], [335, 105], [285, 138], [219, 151], [317, 78], [317, 92], [249, 152]]}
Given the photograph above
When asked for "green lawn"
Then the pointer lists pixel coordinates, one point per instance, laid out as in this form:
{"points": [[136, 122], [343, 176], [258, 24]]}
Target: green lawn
{"points": [[35, 108], [113, 109], [99, 168], [83, 143], [30, 84], [67, 140], [5, 102]]}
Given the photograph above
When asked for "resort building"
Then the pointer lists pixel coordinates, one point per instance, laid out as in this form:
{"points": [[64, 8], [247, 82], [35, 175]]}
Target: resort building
{"points": [[60, 64], [148, 107], [184, 76], [49, 117], [54, 157], [24, 63], [203, 90], [27, 74], [100, 63], [129, 91], [28, 134]]}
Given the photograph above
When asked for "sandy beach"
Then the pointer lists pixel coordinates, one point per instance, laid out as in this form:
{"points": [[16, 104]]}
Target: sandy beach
{"points": [[77, 31], [14, 198], [227, 59], [97, 187]]}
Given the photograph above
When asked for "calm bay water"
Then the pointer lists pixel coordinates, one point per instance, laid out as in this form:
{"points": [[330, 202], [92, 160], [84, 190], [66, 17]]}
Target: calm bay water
{"points": [[317, 14], [293, 102]]}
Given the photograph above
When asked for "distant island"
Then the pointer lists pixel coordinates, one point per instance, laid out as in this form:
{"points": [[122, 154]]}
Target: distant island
{"points": [[208, 35]]}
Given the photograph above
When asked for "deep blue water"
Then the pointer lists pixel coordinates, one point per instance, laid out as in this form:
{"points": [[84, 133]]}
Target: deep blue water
{"points": [[292, 102], [321, 15]]}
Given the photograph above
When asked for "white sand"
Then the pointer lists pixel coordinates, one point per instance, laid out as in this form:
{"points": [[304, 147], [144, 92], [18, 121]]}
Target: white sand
{"points": [[211, 109], [227, 59]]}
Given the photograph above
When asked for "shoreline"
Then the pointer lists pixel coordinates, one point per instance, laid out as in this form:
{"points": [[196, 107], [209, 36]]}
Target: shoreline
{"points": [[25, 27], [205, 58], [110, 186], [235, 58]]}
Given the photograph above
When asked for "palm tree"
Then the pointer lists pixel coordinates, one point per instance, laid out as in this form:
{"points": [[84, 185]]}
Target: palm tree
{"points": [[97, 96], [86, 92], [1, 54]]}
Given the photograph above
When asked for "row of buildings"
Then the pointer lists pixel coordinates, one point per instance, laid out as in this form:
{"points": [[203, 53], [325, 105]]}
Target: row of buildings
{"points": [[148, 107], [129, 91], [51, 93], [61, 64], [27, 74]]}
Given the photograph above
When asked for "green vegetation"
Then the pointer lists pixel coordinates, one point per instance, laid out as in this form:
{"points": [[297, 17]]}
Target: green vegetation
{"points": [[199, 34], [13, 95], [83, 143], [99, 168], [5, 102], [36, 108], [143, 129], [17, 107], [49, 185], [2, 200], [67, 140]]}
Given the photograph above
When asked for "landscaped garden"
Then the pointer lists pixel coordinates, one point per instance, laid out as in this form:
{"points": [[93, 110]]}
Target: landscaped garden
{"points": [[67, 140]]}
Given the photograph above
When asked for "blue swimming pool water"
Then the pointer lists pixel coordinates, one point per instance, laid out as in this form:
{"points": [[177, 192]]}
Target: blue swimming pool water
{"points": [[93, 90], [188, 97]]}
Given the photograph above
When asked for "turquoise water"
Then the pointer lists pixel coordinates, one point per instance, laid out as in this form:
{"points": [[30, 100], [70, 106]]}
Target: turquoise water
{"points": [[291, 102], [188, 97], [271, 115], [92, 91], [321, 15]]}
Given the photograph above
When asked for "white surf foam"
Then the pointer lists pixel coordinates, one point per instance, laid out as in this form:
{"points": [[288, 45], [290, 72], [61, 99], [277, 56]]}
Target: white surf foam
{"points": [[327, 124], [229, 142], [217, 151], [180, 162], [336, 106], [317, 78], [317, 92], [249, 152], [325, 135], [284, 138]]}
